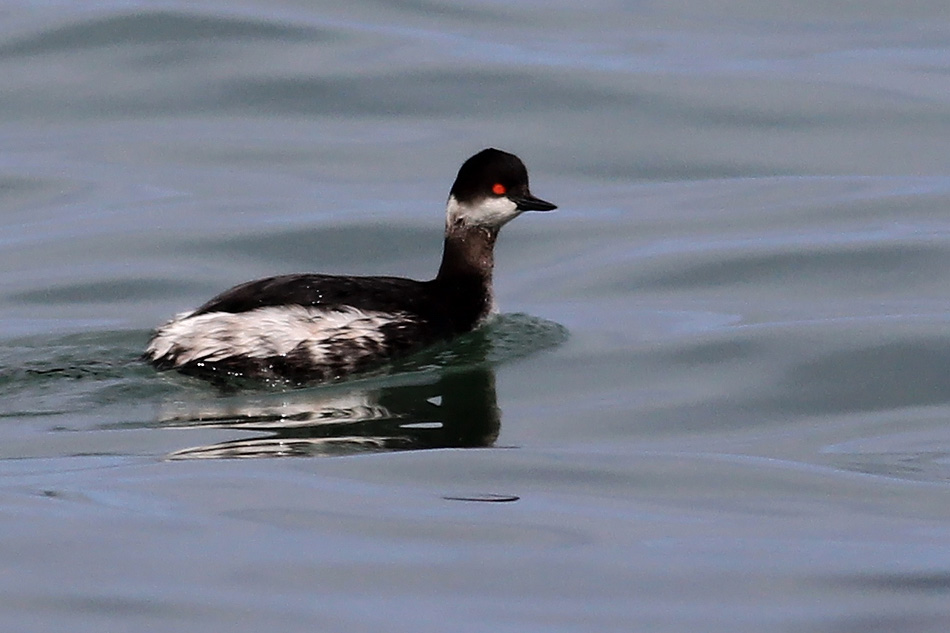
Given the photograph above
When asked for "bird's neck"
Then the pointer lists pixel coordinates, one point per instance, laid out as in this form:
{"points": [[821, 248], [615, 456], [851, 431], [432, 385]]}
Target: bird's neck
{"points": [[469, 251], [468, 260]]}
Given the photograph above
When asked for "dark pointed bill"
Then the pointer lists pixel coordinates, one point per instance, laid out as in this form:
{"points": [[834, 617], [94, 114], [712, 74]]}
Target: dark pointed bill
{"points": [[530, 203]]}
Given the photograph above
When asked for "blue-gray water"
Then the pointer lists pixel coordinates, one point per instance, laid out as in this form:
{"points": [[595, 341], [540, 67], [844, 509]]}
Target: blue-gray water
{"points": [[718, 398]]}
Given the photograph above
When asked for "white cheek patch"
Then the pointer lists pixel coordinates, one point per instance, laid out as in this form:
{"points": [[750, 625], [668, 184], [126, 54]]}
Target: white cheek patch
{"points": [[269, 332], [493, 212]]}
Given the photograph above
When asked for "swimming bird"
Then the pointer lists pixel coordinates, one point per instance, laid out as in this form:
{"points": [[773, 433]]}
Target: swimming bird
{"points": [[308, 328]]}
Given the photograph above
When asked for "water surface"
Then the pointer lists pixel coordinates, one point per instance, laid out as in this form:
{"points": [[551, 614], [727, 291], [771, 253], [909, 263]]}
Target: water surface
{"points": [[717, 395]]}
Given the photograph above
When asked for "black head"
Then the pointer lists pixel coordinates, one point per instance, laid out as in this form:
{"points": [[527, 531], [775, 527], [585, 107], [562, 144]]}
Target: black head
{"points": [[494, 174]]}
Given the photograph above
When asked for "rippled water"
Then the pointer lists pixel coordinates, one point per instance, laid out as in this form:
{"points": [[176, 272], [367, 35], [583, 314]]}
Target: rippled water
{"points": [[717, 398]]}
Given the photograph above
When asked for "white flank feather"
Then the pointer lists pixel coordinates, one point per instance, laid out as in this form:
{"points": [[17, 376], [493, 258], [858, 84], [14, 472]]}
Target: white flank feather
{"points": [[265, 332]]}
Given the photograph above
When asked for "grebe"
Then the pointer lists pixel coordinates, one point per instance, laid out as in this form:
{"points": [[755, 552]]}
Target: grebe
{"points": [[310, 328]]}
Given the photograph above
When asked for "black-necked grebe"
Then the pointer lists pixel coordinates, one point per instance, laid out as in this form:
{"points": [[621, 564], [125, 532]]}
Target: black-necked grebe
{"points": [[311, 328]]}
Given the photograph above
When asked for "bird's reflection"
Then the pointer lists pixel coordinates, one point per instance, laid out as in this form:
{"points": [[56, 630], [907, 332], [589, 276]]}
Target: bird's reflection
{"points": [[452, 409], [441, 398]]}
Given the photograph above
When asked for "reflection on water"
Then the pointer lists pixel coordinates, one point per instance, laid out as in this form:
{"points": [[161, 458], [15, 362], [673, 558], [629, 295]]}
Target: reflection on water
{"points": [[443, 397], [454, 409]]}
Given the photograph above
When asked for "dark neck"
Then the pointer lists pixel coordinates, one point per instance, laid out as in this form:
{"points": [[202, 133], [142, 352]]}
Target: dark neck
{"points": [[468, 252], [466, 272]]}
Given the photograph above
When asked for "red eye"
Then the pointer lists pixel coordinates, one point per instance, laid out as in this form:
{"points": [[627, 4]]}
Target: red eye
{"points": [[499, 189]]}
